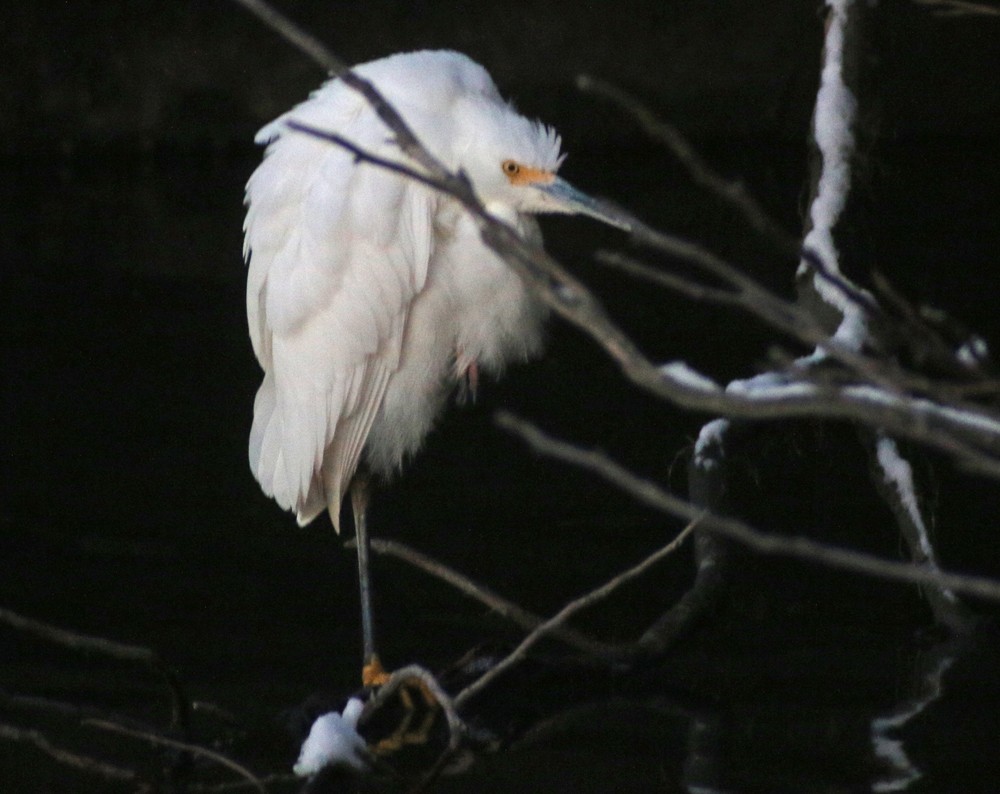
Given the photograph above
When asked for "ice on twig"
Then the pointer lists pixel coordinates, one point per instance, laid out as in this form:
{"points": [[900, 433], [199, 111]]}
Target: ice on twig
{"points": [[898, 473], [708, 448], [833, 123], [333, 739], [681, 373], [769, 386]]}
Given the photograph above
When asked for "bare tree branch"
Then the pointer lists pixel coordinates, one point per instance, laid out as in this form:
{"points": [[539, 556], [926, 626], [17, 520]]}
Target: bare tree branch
{"points": [[783, 315], [242, 785], [68, 758], [687, 287], [193, 749], [78, 642], [959, 8], [108, 648], [303, 41], [503, 607], [310, 46], [802, 548], [564, 614], [656, 635], [703, 174]]}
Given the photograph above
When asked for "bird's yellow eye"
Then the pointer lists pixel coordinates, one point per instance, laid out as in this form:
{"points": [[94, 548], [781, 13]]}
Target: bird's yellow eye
{"points": [[511, 167]]}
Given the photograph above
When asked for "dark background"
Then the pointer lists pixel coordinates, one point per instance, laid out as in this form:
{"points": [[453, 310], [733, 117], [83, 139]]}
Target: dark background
{"points": [[128, 510]]}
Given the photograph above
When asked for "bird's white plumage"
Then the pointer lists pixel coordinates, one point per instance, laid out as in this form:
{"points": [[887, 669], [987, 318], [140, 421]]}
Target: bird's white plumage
{"points": [[369, 295]]}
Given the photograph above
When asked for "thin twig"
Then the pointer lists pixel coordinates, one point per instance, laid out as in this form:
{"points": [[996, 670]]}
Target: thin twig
{"points": [[364, 156], [852, 291], [755, 299], [802, 548], [925, 342], [564, 614], [313, 48], [456, 726], [76, 641], [108, 648], [503, 607], [242, 785], [959, 8], [659, 130], [884, 405], [65, 711], [303, 41], [695, 290], [790, 318], [68, 758], [193, 749], [782, 314]]}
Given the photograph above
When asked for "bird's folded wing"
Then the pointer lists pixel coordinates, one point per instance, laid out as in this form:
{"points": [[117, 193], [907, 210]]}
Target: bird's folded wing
{"points": [[336, 258]]}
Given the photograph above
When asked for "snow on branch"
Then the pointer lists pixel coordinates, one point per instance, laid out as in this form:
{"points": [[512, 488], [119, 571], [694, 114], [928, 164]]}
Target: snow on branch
{"points": [[833, 122]]}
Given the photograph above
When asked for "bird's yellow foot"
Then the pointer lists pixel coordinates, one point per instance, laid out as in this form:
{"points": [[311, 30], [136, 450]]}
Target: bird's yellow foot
{"points": [[373, 674], [418, 713], [404, 724]]}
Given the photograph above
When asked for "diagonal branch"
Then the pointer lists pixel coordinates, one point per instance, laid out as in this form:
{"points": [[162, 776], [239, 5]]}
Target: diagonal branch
{"points": [[661, 131], [303, 41], [115, 650], [651, 494], [564, 614], [187, 747], [959, 8], [68, 758], [503, 607], [312, 47]]}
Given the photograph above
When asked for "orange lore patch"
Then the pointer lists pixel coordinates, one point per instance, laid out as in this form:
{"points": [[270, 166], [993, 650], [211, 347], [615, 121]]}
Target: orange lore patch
{"points": [[518, 174]]}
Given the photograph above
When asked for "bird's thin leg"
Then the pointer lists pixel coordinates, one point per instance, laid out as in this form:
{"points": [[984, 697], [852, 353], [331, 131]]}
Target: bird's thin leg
{"points": [[372, 673], [467, 375]]}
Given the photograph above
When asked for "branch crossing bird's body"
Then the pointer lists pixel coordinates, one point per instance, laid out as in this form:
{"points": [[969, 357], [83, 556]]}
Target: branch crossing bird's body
{"points": [[369, 295]]}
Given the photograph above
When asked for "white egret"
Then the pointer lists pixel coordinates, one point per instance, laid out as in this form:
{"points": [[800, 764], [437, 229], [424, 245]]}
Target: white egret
{"points": [[370, 297]]}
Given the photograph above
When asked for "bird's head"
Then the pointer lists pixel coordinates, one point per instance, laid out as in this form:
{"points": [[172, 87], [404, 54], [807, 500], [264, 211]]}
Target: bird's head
{"points": [[513, 163]]}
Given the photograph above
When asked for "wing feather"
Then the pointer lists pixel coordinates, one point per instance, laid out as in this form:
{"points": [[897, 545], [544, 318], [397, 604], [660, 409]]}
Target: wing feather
{"points": [[350, 436], [338, 251]]}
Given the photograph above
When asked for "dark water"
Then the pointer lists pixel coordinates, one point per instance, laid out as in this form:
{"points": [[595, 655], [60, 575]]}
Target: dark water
{"points": [[129, 513]]}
